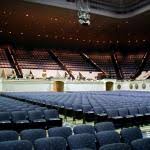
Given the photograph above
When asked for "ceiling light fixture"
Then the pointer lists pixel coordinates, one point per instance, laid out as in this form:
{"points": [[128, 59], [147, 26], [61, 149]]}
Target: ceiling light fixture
{"points": [[83, 12]]}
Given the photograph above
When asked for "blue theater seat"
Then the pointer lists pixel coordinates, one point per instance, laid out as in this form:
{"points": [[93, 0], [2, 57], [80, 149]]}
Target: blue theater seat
{"points": [[104, 126], [64, 132], [130, 134], [116, 146], [16, 145], [141, 144], [8, 135], [83, 141], [79, 129], [52, 143], [32, 134], [107, 137]]}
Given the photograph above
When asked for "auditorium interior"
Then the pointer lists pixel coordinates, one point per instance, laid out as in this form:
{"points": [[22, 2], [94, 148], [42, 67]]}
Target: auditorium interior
{"points": [[75, 75]]}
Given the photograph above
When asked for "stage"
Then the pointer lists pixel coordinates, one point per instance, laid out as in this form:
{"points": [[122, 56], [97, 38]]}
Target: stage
{"points": [[34, 85]]}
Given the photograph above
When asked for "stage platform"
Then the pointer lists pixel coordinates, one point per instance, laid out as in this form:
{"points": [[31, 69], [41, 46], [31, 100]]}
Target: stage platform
{"points": [[69, 85]]}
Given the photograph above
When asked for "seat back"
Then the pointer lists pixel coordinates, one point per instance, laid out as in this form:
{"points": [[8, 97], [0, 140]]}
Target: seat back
{"points": [[123, 112], [51, 113], [141, 144], [130, 134], [52, 143], [142, 110], [8, 135], [133, 110], [19, 115], [79, 129], [32, 134], [64, 132], [107, 137], [35, 114], [116, 146], [112, 112], [5, 116], [104, 126], [16, 145], [80, 141]]}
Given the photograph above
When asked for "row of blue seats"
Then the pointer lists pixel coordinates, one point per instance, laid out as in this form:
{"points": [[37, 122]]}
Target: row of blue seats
{"points": [[62, 138], [95, 106], [30, 119], [8, 105]]}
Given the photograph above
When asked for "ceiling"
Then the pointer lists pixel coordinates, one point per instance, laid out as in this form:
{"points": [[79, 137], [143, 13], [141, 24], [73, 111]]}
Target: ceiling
{"points": [[118, 6], [36, 25]]}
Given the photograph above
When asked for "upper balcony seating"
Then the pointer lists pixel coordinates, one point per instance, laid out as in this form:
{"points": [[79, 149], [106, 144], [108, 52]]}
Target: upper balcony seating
{"points": [[104, 62], [4, 62], [129, 63]]}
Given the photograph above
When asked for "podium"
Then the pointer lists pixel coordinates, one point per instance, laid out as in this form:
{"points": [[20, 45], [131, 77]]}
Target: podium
{"points": [[58, 86]]}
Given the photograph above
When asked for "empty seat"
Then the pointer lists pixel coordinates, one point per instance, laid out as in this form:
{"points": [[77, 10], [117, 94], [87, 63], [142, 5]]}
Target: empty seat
{"points": [[52, 143], [19, 117], [124, 113], [60, 131], [143, 110], [32, 134], [127, 119], [16, 145], [113, 115], [5, 117], [88, 113], [79, 129], [52, 118], [141, 144], [104, 126], [36, 116], [116, 146], [8, 135], [83, 141], [107, 137], [134, 111], [51, 114], [130, 134], [100, 114]]}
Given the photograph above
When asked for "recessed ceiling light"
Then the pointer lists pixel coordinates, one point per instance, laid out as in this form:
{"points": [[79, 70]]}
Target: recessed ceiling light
{"points": [[4, 12], [55, 36], [21, 33], [46, 35], [27, 15], [10, 32], [56, 19], [77, 39]]}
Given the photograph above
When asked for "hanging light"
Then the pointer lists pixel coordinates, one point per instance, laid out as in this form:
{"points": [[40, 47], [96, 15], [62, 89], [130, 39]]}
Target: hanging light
{"points": [[83, 12]]}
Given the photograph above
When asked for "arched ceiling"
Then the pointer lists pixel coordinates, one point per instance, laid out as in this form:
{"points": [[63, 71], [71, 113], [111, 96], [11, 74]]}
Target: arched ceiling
{"points": [[111, 8], [24, 23]]}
